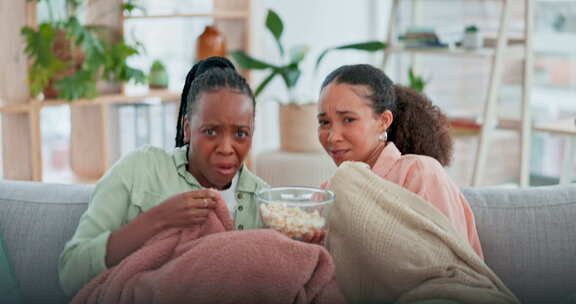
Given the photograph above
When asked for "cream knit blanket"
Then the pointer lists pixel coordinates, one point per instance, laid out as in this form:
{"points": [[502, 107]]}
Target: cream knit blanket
{"points": [[390, 245]]}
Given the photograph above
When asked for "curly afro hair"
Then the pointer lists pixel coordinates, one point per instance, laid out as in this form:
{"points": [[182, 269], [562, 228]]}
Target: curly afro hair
{"points": [[419, 127]]}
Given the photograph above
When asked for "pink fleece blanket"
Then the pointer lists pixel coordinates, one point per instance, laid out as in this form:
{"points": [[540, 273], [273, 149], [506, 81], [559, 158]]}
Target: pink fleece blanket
{"points": [[209, 263]]}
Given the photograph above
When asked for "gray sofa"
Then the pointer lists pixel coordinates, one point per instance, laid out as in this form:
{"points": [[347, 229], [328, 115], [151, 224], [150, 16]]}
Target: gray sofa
{"points": [[528, 236]]}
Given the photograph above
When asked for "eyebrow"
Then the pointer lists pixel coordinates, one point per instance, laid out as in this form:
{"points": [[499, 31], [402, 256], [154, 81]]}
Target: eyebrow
{"points": [[339, 112], [219, 126]]}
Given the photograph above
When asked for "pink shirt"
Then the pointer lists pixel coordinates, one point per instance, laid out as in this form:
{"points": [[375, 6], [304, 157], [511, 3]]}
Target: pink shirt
{"points": [[425, 176]]}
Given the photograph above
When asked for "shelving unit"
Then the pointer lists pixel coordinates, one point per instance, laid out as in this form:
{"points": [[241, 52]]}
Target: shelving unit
{"points": [[90, 118], [497, 54]]}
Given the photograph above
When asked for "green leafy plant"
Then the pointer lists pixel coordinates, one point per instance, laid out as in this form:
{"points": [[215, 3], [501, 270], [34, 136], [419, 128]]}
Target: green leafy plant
{"points": [[157, 66], [416, 82], [290, 70], [131, 6], [471, 29], [72, 56]]}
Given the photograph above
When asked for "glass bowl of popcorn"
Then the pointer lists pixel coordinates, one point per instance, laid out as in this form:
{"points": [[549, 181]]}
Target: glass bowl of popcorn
{"points": [[295, 211]]}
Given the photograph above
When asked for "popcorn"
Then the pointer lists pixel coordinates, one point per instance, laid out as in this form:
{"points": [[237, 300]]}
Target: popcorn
{"points": [[291, 221]]}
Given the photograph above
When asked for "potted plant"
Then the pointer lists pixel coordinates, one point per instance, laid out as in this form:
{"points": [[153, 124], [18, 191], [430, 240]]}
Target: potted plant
{"points": [[296, 120], [68, 57], [472, 39], [158, 76]]}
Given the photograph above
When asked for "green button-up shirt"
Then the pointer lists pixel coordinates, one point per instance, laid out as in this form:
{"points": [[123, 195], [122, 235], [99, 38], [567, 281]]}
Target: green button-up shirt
{"points": [[141, 180]]}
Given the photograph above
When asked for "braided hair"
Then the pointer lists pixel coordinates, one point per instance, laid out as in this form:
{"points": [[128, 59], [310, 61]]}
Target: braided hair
{"points": [[208, 75], [419, 127]]}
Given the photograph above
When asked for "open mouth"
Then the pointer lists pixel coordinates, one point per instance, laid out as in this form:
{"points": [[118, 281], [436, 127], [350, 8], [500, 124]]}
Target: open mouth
{"points": [[226, 169], [339, 153]]}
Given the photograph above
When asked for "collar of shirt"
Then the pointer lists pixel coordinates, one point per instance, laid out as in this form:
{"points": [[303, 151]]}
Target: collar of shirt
{"points": [[245, 183], [387, 159]]}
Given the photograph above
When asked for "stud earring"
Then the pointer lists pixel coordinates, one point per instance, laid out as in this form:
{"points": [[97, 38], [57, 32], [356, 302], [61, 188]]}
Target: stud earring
{"points": [[383, 137]]}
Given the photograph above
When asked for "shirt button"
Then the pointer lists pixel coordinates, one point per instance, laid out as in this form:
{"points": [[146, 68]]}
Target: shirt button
{"points": [[239, 195], [240, 227], [240, 208]]}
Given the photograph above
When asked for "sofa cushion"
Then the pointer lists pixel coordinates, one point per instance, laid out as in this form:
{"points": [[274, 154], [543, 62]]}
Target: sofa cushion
{"points": [[37, 220], [529, 238], [9, 292]]}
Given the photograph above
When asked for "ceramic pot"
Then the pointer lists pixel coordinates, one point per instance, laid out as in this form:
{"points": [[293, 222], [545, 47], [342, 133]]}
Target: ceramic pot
{"points": [[298, 128], [472, 41], [158, 78]]}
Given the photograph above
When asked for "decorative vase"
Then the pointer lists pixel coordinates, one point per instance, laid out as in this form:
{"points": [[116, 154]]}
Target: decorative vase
{"points": [[210, 43], [298, 128]]}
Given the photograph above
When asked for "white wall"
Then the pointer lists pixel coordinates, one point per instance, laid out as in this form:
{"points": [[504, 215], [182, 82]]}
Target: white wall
{"points": [[319, 24]]}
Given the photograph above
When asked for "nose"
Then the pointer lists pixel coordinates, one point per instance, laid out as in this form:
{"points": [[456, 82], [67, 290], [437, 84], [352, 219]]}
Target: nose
{"points": [[225, 146], [334, 135]]}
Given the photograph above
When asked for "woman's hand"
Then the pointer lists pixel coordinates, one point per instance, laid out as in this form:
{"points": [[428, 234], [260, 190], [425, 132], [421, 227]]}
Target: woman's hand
{"points": [[184, 209], [316, 237]]}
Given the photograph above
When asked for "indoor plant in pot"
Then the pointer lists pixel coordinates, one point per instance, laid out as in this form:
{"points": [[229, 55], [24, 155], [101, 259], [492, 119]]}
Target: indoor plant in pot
{"points": [[158, 76], [472, 38], [68, 57], [296, 120]]}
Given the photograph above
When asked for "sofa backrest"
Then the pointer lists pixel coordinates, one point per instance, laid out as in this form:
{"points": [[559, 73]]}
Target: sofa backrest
{"points": [[529, 239], [36, 220], [528, 236]]}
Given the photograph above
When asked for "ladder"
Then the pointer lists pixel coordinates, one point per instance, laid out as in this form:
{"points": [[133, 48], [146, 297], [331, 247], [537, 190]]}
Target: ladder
{"points": [[489, 120]]}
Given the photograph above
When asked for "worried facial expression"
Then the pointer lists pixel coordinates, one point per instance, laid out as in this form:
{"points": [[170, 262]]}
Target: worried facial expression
{"points": [[348, 127], [220, 135]]}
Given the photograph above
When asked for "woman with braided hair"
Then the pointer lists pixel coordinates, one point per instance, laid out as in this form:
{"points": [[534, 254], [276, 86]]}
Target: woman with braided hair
{"points": [[150, 190]]}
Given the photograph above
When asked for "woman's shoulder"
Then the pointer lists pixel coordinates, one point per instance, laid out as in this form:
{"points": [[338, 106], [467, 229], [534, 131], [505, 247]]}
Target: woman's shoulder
{"points": [[421, 162], [142, 159], [146, 153], [422, 168]]}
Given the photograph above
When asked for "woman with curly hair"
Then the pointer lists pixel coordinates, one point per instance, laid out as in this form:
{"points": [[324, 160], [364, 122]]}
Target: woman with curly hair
{"points": [[363, 116]]}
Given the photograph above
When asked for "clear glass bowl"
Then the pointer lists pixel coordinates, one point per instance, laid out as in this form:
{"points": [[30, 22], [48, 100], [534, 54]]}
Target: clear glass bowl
{"points": [[294, 211]]}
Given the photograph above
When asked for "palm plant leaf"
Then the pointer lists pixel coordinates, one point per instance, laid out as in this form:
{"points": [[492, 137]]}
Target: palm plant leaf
{"points": [[369, 46], [276, 27]]}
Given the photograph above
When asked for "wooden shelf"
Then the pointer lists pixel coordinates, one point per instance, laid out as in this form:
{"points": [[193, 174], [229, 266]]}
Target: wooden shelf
{"points": [[565, 127], [513, 50], [16, 108], [164, 95], [114, 99], [217, 15], [92, 122], [473, 125]]}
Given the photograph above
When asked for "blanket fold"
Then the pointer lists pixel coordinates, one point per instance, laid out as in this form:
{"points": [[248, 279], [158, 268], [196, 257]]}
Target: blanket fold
{"points": [[209, 263], [390, 245]]}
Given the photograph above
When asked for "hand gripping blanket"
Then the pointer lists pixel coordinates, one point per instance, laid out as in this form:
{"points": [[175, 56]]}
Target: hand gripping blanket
{"points": [[391, 246], [209, 263]]}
